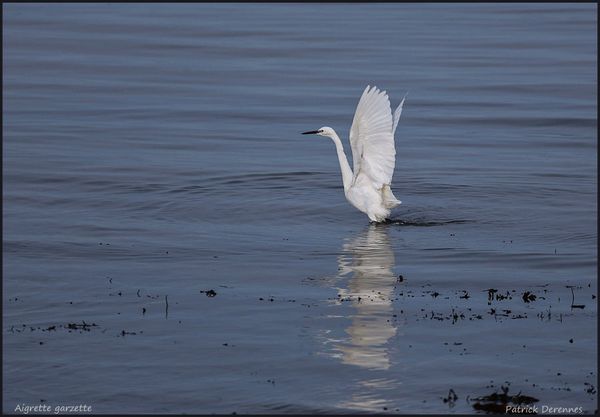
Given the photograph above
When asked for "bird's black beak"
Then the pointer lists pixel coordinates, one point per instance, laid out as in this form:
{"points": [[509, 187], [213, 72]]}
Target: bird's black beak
{"points": [[312, 132]]}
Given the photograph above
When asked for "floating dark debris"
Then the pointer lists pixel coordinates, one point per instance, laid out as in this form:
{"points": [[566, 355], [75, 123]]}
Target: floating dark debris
{"points": [[454, 316], [590, 389], [528, 297], [82, 326], [451, 398], [491, 292], [209, 293], [503, 296], [573, 305], [497, 403], [69, 326]]}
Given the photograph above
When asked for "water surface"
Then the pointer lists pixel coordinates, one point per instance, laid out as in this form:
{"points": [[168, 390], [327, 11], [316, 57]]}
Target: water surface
{"points": [[152, 152]]}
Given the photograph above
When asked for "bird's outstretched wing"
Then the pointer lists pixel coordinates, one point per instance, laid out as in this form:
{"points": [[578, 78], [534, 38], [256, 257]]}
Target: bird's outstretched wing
{"points": [[397, 114], [372, 137]]}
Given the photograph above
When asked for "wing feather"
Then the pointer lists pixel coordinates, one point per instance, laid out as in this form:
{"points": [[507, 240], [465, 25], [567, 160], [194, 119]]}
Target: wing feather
{"points": [[372, 137], [397, 114]]}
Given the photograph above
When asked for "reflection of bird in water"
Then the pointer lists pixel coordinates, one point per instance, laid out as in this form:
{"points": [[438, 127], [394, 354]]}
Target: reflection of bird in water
{"points": [[370, 259]]}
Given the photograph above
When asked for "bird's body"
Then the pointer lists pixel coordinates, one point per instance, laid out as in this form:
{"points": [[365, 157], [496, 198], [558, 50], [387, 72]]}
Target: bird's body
{"points": [[368, 187]]}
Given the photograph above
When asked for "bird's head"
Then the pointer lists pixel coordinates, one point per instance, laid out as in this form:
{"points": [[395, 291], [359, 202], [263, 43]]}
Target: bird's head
{"points": [[324, 131]]}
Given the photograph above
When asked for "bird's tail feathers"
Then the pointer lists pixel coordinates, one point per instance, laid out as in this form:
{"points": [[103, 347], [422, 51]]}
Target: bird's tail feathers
{"points": [[389, 200]]}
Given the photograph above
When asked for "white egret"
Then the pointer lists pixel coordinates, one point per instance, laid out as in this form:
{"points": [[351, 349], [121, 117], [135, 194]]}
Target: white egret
{"points": [[368, 188]]}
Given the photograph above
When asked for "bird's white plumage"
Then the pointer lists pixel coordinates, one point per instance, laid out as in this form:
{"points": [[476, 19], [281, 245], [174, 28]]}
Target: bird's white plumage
{"points": [[372, 139], [368, 188], [397, 114]]}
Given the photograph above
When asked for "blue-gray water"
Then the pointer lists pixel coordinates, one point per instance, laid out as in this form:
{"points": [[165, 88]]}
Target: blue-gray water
{"points": [[152, 151]]}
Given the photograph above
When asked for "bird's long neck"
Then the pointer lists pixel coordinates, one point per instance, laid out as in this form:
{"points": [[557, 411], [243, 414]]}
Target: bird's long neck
{"points": [[344, 166]]}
